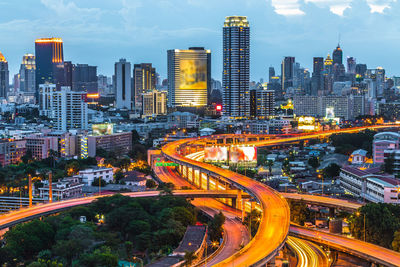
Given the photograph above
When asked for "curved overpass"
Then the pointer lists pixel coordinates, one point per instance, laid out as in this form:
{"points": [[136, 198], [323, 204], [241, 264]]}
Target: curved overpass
{"points": [[365, 250], [275, 221], [27, 214], [274, 225]]}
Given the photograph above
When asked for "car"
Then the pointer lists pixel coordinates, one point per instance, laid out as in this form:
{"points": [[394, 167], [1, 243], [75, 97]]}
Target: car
{"points": [[309, 225]]}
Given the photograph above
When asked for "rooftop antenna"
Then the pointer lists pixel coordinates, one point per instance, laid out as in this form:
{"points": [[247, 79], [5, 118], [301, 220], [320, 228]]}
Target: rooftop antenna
{"points": [[339, 40]]}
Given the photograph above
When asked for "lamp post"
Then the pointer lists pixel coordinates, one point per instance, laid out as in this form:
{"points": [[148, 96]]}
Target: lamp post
{"points": [[358, 214]]}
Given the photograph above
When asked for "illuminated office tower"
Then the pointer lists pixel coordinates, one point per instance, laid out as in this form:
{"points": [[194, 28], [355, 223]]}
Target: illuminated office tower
{"points": [[236, 67], [49, 62], [287, 72], [189, 77], [317, 80], [144, 81], [123, 89], [4, 76], [337, 55], [27, 73]]}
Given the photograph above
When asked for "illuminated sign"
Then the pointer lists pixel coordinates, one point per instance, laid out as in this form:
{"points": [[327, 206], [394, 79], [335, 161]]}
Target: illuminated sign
{"points": [[218, 107], [94, 95], [166, 164], [243, 154], [103, 129], [193, 74], [215, 153]]}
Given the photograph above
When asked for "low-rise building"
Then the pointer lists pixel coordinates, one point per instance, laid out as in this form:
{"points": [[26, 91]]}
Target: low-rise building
{"points": [[41, 145], [370, 185], [11, 151], [89, 175], [358, 156], [135, 178], [69, 187], [383, 142], [120, 143]]}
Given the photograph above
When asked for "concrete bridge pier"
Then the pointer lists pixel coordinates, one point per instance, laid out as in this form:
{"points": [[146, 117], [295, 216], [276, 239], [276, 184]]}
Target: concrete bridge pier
{"points": [[332, 212]]}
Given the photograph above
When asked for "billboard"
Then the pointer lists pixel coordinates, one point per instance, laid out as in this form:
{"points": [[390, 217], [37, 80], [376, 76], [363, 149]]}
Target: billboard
{"points": [[215, 153], [243, 154], [193, 74], [103, 129]]}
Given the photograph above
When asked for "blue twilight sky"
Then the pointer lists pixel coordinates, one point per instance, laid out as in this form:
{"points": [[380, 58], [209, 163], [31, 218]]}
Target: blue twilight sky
{"points": [[99, 32]]}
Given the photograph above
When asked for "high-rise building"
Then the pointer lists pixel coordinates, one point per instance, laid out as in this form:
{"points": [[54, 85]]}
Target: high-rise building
{"points": [[49, 62], [189, 77], [271, 73], [287, 73], [337, 55], [236, 67], [317, 82], [361, 69], [351, 65], [144, 80], [4, 76], [154, 103], [123, 89], [68, 72], [84, 78], [46, 92], [27, 74], [69, 109], [263, 103]]}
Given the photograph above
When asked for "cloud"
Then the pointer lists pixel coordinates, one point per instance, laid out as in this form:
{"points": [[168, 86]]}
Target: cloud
{"points": [[287, 7], [379, 6]]}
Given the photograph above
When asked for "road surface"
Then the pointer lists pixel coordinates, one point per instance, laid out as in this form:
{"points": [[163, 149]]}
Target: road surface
{"points": [[308, 254]]}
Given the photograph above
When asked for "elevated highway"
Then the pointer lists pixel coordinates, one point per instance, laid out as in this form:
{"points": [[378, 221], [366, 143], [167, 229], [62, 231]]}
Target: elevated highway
{"points": [[368, 251], [26, 214]]}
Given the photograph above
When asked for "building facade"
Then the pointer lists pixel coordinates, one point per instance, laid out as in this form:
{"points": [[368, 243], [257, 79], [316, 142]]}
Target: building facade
{"points": [[119, 143], [189, 77], [69, 109], [11, 151], [49, 60], [4, 76], [27, 74], [123, 89], [384, 141], [236, 67], [84, 78], [144, 81], [154, 103], [45, 100]]}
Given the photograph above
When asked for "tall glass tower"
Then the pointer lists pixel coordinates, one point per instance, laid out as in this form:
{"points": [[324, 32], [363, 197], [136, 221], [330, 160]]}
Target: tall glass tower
{"points": [[49, 62], [27, 73], [4, 76], [236, 67]]}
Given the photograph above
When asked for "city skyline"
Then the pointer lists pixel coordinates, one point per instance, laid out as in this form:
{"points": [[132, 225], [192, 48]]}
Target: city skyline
{"points": [[277, 31]]}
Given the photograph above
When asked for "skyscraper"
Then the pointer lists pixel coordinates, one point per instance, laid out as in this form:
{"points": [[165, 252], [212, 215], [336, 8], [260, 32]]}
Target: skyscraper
{"points": [[271, 73], [189, 77], [123, 89], [4, 76], [337, 55], [49, 62], [84, 78], [317, 82], [144, 80], [287, 72], [351, 65], [236, 67], [27, 74]]}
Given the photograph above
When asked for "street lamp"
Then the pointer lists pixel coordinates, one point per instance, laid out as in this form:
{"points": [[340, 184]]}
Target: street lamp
{"points": [[137, 258]]}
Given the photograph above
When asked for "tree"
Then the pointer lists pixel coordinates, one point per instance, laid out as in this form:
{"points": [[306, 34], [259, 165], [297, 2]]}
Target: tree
{"points": [[102, 257], [189, 257], [313, 162], [270, 163], [118, 176], [388, 165], [252, 220], [331, 171], [396, 241], [96, 182], [150, 183], [215, 229], [299, 213], [381, 222]]}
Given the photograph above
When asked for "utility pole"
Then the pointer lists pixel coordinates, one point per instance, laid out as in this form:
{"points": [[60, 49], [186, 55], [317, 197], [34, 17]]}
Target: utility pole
{"points": [[30, 190], [50, 187]]}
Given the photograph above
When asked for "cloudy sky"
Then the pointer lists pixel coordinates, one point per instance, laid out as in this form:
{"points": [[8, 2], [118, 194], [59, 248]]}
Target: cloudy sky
{"points": [[99, 32]]}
